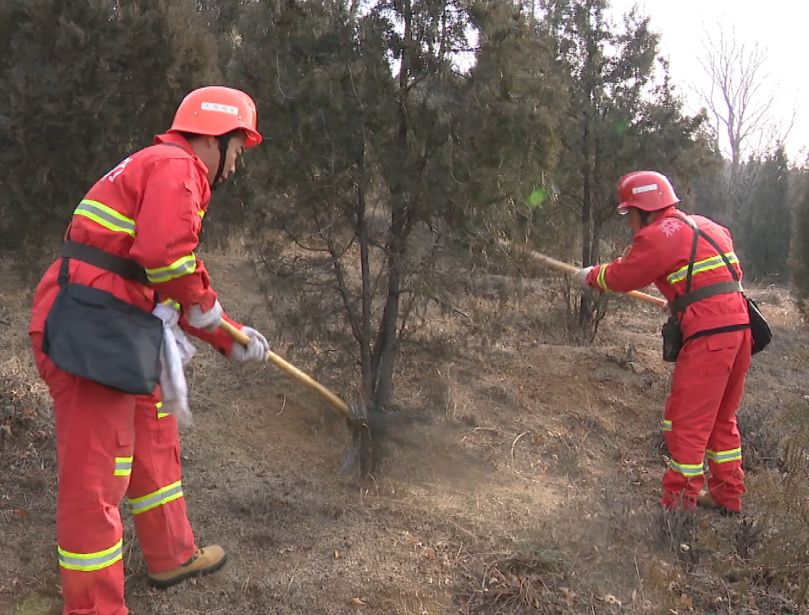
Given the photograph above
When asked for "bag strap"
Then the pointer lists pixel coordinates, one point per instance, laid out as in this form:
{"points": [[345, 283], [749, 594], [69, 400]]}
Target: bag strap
{"points": [[693, 256], [720, 288], [714, 245], [124, 267], [717, 330]]}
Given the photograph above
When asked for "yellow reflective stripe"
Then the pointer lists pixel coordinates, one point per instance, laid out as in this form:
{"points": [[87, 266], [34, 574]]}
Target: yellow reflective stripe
{"points": [[87, 562], [160, 415], [105, 216], [123, 466], [182, 266], [157, 498], [602, 283], [665, 425], [734, 454], [702, 266], [171, 303], [687, 469]]}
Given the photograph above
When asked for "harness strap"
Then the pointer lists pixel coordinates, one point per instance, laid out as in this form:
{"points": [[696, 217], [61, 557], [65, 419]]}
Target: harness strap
{"points": [[681, 302], [689, 297]]}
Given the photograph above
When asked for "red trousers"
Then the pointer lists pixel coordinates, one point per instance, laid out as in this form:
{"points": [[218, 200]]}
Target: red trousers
{"points": [[110, 444], [700, 420]]}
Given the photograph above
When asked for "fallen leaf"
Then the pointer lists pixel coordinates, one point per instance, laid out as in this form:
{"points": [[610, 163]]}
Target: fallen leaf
{"points": [[21, 514], [358, 602], [610, 599]]}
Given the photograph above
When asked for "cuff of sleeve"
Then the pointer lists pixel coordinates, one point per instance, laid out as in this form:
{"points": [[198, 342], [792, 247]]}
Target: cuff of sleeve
{"points": [[224, 343]]}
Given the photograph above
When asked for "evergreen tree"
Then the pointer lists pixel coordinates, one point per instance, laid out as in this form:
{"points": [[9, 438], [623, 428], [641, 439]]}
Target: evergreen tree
{"points": [[766, 221], [83, 82], [376, 136], [614, 126], [799, 249]]}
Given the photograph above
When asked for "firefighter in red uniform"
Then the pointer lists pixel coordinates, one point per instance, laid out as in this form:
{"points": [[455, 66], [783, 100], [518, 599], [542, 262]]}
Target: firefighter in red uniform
{"points": [[709, 373], [145, 213]]}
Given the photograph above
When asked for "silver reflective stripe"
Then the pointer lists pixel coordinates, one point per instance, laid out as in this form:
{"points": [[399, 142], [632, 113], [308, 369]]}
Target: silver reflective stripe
{"points": [[160, 415], [87, 562], [687, 469], [105, 216], [123, 466], [702, 266], [157, 498], [734, 454], [182, 266]]}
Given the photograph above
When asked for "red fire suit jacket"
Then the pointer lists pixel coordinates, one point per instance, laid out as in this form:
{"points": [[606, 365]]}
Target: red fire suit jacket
{"points": [[660, 254], [149, 209]]}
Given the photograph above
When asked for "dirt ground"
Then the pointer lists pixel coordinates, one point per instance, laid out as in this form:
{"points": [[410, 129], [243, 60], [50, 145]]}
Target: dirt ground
{"points": [[523, 478]]}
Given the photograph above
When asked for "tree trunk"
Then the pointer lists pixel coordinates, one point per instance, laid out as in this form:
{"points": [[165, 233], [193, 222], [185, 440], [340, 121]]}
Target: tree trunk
{"points": [[386, 346], [367, 292]]}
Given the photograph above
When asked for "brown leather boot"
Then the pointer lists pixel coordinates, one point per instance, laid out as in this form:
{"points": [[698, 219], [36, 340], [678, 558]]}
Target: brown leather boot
{"points": [[705, 500], [204, 561]]}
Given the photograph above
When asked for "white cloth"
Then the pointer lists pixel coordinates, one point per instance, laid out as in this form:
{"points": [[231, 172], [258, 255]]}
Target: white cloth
{"points": [[177, 351], [256, 350], [205, 320]]}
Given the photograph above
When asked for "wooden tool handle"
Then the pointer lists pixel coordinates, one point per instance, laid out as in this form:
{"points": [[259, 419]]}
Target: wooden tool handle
{"points": [[305, 379], [571, 269]]}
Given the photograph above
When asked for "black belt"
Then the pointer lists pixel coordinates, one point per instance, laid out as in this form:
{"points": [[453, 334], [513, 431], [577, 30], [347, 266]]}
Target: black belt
{"points": [[717, 330], [124, 267]]}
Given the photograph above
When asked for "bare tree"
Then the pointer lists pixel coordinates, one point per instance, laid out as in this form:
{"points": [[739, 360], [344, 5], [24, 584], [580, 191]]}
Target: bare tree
{"points": [[740, 99]]}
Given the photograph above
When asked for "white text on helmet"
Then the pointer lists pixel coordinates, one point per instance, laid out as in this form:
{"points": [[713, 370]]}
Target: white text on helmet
{"points": [[642, 189], [220, 108]]}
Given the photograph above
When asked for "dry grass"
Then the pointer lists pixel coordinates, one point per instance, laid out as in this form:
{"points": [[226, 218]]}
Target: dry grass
{"points": [[530, 487]]}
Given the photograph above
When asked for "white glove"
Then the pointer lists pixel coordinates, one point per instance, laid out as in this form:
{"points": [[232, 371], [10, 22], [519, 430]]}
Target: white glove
{"points": [[205, 320], [580, 276], [256, 350]]}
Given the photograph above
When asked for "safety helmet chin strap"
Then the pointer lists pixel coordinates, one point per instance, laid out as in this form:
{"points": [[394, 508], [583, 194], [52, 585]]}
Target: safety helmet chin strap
{"points": [[644, 217], [224, 142]]}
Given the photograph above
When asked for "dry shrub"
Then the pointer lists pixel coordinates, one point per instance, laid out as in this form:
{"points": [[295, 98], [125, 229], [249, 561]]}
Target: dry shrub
{"points": [[511, 583], [760, 437], [781, 561], [26, 430]]}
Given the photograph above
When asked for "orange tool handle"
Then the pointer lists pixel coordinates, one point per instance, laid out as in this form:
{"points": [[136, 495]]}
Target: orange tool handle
{"points": [[302, 377]]}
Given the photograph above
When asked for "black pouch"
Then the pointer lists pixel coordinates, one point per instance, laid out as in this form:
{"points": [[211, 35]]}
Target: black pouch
{"points": [[672, 339], [93, 334], [759, 327]]}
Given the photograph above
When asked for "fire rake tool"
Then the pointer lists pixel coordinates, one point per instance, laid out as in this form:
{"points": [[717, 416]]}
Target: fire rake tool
{"points": [[571, 269], [364, 424]]}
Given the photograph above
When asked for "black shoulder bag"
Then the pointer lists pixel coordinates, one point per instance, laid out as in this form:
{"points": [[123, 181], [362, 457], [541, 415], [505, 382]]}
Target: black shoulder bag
{"points": [[672, 335], [93, 334]]}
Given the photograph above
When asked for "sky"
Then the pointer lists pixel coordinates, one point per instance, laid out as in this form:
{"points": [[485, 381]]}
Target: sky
{"points": [[778, 26]]}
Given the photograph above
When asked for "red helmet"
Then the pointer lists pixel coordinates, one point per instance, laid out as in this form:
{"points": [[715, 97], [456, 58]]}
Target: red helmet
{"points": [[645, 190], [216, 110]]}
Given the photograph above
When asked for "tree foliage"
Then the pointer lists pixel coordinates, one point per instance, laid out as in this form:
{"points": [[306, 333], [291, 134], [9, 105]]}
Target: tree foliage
{"points": [[766, 222], [395, 130], [83, 82], [618, 120]]}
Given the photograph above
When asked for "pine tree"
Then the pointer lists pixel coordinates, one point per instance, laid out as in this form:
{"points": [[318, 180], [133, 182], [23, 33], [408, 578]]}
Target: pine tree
{"points": [[613, 125], [766, 221], [799, 249], [83, 82]]}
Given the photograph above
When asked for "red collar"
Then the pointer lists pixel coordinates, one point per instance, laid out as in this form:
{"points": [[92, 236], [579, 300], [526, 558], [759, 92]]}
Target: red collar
{"points": [[176, 139]]}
